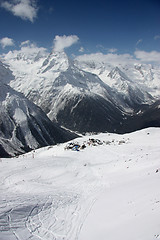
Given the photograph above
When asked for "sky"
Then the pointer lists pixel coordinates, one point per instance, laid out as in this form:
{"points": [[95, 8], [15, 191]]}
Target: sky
{"points": [[84, 27]]}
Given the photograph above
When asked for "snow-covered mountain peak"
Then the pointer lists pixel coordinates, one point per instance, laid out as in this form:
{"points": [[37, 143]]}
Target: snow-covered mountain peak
{"points": [[144, 76], [117, 74], [28, 54], [65, 89], [56, 61]]}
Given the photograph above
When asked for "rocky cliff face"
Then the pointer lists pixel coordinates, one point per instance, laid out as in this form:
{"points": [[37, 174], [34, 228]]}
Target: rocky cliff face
{"points": [[24, 126]]}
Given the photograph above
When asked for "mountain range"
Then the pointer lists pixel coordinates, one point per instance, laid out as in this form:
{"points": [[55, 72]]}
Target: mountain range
{"points": [[23, 125], [86, 95]]}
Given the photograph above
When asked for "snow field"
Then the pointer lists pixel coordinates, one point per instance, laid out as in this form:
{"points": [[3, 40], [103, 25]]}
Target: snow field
{"points": [[109, 191]]}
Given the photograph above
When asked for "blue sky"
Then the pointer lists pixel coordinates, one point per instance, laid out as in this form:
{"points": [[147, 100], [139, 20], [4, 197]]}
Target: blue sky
{"points": [[101, 26]]}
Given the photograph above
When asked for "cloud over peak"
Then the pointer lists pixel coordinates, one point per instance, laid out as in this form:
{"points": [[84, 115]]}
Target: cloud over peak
{"points": [[25, 9], [115, 59], [138, 42], [151, 57], [62, 42], [6, 42], [112, 58]]}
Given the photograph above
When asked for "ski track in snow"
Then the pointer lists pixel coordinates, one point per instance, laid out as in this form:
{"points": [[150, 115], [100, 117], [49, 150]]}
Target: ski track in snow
{"points": [[50, 193], [58, 214]]}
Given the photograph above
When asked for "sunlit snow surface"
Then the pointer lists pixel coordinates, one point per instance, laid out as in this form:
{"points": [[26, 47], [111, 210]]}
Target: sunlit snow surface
{"points": [[110, 191]]}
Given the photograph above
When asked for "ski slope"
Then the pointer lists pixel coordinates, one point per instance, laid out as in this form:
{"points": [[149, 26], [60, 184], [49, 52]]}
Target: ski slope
{"points": [[110, 191]]}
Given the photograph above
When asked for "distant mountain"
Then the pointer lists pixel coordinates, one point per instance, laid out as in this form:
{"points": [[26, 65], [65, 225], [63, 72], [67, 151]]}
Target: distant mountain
{"points": [[132, 93], [147, 117], [82, 96], [24, 126], [144, 76]]}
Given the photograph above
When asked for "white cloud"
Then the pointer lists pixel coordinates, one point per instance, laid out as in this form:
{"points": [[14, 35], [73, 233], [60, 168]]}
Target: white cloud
{"points": [[114, 59], [151, 57], [25, 9], [138, 42], [5, 42], [62, 42], [27, 42], [124, 59], [30, 51], [81, 49], [101, 47], [157, 37], [112, 50]]}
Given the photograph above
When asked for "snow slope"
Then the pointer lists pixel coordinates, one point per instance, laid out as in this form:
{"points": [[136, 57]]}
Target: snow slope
{"points": [[110, 191]]}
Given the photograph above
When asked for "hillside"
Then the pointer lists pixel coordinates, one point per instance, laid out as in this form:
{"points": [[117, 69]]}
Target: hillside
{"points": [[23, 125], [108, 191]]}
